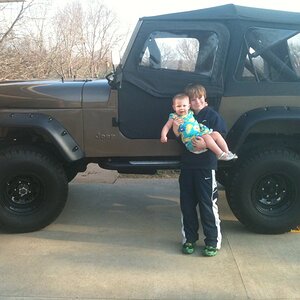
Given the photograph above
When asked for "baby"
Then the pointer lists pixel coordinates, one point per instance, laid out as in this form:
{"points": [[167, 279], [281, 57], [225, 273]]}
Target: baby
{"points": [[190, 129]]}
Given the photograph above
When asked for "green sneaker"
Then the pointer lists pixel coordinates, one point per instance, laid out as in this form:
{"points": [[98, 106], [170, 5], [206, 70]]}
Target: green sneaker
{"points": [[209, 251], [188, 248]]}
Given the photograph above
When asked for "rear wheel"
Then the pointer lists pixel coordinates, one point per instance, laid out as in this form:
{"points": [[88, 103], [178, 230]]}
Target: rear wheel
{"points": [[33, 189], [264, 193]]}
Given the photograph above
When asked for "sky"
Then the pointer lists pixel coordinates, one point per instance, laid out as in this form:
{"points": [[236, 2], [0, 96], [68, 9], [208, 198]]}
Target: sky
{"points": [[129, 11]]}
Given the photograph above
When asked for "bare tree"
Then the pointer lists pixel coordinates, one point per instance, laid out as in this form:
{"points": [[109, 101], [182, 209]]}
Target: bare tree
{"points": [[7, 25], [188, 51], [22, 52], [76, 42], [84, 40], [99, 36], [67, 25], [11, 15]]}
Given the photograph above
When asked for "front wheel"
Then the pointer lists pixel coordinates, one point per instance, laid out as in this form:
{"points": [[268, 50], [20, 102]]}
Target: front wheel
{"points": [[33, 189], [264, 193]]}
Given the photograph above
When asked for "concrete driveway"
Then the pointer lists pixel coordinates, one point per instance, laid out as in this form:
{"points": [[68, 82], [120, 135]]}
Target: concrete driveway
{"points": [[122, 241]]}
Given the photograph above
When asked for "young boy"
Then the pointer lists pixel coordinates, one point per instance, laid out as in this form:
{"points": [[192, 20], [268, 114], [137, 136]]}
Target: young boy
{"points": [[191, 129], [197, 181]]}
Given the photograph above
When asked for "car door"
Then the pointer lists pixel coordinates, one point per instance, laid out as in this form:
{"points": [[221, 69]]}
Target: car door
{"points": [[164, 57]]}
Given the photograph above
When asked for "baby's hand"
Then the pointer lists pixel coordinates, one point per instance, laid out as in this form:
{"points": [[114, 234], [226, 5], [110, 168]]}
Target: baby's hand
{"points": [[163, 139], [177, 122]]}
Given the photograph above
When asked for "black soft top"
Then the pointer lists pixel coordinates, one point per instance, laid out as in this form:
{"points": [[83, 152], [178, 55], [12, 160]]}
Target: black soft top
{"points": [[232, 12]]}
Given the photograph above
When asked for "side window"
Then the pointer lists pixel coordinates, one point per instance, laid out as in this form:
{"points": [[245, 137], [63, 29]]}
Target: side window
{"points": [[270, 55], [193, 52], [294, 52]]}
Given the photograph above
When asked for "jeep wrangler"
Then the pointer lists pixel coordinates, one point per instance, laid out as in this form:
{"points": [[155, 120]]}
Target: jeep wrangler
{"points": [[249, 61]]}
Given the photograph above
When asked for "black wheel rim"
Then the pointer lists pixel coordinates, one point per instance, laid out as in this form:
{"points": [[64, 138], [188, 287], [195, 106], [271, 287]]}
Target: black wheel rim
{"points": [[23, 194], [273, 194]]}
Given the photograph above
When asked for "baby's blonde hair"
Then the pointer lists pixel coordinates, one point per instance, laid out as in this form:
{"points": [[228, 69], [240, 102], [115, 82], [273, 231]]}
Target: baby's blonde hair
{"points": [[179, 96]]}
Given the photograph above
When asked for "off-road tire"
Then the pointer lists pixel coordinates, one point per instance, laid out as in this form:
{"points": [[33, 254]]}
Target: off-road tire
{"points": [[264, 193], [71, 172], [33, 189]]}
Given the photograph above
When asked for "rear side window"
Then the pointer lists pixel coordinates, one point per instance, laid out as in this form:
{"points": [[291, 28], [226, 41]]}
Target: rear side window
{"points": [[194, 52], [270, 55], [294, 51]]}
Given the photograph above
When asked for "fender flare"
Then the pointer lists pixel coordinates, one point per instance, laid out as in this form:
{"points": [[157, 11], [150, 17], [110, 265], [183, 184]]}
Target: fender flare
{"points": [[243, 126], [65, 143]]}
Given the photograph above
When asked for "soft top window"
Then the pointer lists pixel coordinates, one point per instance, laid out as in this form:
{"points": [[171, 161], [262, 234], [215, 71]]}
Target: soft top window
{"points": [[180, 52], [271, 55]]}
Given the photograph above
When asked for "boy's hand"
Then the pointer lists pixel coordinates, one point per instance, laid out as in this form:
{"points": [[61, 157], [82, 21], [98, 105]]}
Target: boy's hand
{"points": [[199, 143], [163, 139]]}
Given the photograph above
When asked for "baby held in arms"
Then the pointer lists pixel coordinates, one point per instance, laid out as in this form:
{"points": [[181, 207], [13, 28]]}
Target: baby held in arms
{"points": [[190, 129]]}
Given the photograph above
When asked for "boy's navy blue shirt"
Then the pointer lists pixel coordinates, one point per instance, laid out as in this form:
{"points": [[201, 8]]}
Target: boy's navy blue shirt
{"points": [[206, 160]]}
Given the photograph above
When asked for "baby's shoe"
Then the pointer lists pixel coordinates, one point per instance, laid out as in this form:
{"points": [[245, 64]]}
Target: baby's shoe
{"points": [[227, 156]]}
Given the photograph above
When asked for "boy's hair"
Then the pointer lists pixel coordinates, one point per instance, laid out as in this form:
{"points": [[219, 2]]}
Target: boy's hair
{"points": [[195, 90], [179, 96]]}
